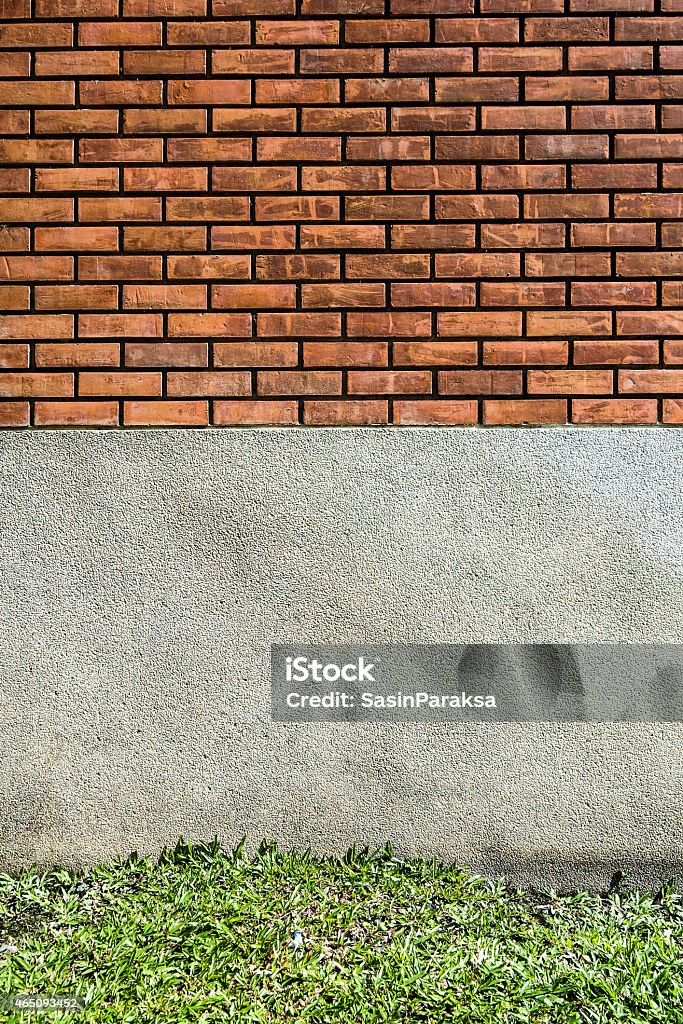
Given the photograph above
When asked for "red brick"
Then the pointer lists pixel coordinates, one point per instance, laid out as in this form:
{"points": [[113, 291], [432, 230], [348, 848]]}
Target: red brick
{"points": [[520, 58], [75, 62], [429, 60], [166, 414], [208, 267], [567, 264], [255, 353], [386, 266], [36, 151], [432, 236], [253, 62], [77, 179], [612, 235], [387, 30], [120, 325], [299, 382], [525, 353], [342, 236], [480, 324], [119, 33], [343, 119], [345, 353], [76, 414], [435, 353], [165, 179], [34, 35], [432, 119], [346, 413], [255, 414], [253, 296], [76, 296], [567, 147], [166, 62], [387, 325], [386, 208], [209, 325], [326, 296], [271, 236], [521, 293], [610, 58], [386, 147], [14, 414], [162, 354], [433, 294], [672, 410], [560, 89], [389, 382], [614, 410], [524, 412], [208, 384], [341, 61], [647, 321], [650, 381], [313, 149], [569, 382], [36, 385], [299, 208], [168, 121], [299, 266], [129, 151], [206, 208], [164, 296], [567, 323], [14, 357], [35, 326], [36, 268], [162, 239], [614, 293], [476, 207], [162, 8], [434, 413], [207, 33], [619, 353], [464, 264], [480, 89], [288, 91], [118, 384], [119, 209], [75, 239], [78, 353], [196, 150], [482, 382], [343, 179], [306, 325]]}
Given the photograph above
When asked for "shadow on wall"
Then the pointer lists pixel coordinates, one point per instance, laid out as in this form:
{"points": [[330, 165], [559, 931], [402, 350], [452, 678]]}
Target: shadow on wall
{"points": [[541, 680]]}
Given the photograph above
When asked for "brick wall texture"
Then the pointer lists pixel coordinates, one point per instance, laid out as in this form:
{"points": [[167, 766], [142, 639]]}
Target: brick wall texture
{"points": [[329, 212]]}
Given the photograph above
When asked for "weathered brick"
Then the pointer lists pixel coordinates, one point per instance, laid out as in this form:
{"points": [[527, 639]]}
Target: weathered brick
{"points": [[76, 414], [166, 353], [255, 413], [347, 413], [166, 414], [434, 412], [345, 353], [78, 353], [614, 410], [480, 382], [524, 412]]}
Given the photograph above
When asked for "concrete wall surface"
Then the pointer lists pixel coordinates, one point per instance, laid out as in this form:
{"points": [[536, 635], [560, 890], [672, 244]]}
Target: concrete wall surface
{"points": [[146, 573]]}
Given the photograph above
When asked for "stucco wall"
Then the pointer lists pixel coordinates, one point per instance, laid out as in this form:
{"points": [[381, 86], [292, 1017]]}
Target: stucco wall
{"points": [[145, 574]]}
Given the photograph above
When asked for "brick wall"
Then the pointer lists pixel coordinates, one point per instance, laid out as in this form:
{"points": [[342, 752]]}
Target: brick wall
{"points": [[242, 212]]}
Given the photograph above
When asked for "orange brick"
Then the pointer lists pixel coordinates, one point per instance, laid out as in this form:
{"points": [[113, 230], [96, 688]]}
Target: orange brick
{"points": [[524, 412], [255, 414], [346, 413], [435, 413], [77, 414], [166, 414]]}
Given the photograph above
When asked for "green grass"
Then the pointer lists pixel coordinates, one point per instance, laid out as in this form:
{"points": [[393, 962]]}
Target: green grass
{"points": [[205, 935]]}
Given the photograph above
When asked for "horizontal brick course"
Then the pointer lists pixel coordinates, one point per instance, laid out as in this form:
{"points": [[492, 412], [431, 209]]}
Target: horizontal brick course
{"points": [[341, 213]]}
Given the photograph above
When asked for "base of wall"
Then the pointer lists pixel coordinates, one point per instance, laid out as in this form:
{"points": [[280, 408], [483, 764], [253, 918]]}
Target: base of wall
{"points": [[146, 573]]}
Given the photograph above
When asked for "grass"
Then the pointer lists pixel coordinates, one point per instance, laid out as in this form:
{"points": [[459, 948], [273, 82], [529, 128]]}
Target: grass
{"points": [[206, 935]]}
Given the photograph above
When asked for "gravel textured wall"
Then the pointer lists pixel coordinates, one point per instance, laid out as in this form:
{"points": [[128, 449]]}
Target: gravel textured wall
{"points": [[144, 575]]}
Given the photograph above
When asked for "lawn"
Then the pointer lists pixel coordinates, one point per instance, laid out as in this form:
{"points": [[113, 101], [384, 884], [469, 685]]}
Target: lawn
{"points": [[208, 935]]}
